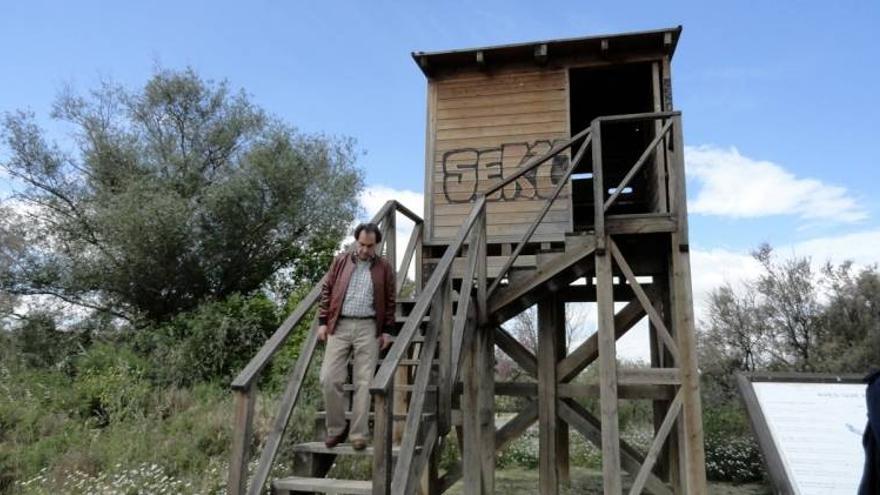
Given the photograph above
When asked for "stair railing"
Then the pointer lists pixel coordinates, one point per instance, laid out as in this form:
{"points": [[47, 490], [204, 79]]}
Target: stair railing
{"points": [[435, 295], [531, 165], [244, 386]]}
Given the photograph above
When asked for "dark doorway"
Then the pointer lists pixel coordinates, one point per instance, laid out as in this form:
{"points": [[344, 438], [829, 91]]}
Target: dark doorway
{"points": [[611, 90]]}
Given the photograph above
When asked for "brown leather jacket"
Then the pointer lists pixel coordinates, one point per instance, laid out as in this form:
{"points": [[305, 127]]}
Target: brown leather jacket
{"points": [[336, 284]]}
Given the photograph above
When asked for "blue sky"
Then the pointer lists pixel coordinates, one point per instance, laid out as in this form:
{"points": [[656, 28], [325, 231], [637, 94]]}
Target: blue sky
{"points": [[780, 99]]}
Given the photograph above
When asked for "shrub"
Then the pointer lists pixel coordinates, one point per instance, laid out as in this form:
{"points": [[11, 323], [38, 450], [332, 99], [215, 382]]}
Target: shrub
{"points": [[731, 451], [210, 343], [110, 384]]}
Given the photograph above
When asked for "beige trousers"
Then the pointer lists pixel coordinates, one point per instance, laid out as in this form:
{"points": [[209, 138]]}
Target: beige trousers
{"points": [[357, 337]]}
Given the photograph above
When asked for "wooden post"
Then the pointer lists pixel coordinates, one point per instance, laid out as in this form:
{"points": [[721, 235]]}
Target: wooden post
{"points": [[470, 421], [598, 187], [382, 439], [563, 457], [441, 315], [667, 463], [691, 422], [551, 314], [486, 403], [241, 439], [402, 376], [659, 173], [390, 228], [611, 481], [486, 364]]}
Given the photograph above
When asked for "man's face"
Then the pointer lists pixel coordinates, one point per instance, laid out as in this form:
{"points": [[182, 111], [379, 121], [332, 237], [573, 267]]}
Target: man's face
{"points": [[365, 245]]}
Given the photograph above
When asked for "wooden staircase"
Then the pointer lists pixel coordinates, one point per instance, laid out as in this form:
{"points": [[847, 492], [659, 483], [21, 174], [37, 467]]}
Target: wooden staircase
{"points": [[436, 381], [314, 460]]}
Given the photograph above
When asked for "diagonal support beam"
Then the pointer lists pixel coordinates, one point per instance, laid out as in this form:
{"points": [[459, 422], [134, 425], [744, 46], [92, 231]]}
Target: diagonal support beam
{"points": [[518, 352], [656, 445], [631, 461], [635, 168], [512, 429], [588, 352], [644, 300]]}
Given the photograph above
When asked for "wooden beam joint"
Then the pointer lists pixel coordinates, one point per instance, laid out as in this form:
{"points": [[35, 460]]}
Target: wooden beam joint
{"points": [[481, 60], [541, 54]]}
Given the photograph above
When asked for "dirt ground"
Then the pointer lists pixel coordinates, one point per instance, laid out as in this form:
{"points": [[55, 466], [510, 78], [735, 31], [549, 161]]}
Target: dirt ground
{"points": [[525, 482]]}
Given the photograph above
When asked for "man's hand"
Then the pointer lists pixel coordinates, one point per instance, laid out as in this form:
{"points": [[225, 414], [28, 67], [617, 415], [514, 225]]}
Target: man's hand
{"points": [[385, 341], [322, 333]]}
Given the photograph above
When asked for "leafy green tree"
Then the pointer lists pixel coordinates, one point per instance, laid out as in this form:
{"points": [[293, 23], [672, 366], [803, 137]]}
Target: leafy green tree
{"points": [[177, 193], [12, 245], [790, 308], [852, 317]]}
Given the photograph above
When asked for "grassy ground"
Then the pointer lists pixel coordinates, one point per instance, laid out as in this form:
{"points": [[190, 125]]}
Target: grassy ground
{"points": [[525, 482]]}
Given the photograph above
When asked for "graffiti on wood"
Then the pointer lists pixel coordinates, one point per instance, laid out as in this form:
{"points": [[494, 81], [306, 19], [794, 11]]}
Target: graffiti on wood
{"points": [[467, 171]]}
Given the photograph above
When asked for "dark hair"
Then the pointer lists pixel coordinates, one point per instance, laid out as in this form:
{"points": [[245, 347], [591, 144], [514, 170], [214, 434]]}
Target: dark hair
{"points": [[368, 228]]}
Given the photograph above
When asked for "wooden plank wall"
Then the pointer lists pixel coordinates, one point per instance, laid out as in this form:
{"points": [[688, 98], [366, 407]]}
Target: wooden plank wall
{"points": [[481, 128]]}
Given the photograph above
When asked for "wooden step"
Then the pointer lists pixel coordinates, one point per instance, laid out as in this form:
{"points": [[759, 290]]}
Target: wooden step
{"points": [[411, 362], [322, 485], [321, 415], [349, 387], [403, 319], [341, 449]]}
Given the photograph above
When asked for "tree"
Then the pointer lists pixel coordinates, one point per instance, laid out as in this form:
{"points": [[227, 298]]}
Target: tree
{"points": [[791, 307], [792, 318], [852, 318], [12, 245], [177, 193]]}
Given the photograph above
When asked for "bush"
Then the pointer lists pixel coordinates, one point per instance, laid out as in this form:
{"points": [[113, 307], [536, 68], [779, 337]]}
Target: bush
{"points": [[731, 451], [37, 342], [111, 385], [211, 343], [521, 452]]}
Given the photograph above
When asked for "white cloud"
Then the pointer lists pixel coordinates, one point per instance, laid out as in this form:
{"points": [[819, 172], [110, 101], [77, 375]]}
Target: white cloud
{"points": [[858, 247], [714, 267], [374, 197], [737, 186]]}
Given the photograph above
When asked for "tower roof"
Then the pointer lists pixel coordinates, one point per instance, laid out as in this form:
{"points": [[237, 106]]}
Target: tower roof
{"points": [[600, 46]]}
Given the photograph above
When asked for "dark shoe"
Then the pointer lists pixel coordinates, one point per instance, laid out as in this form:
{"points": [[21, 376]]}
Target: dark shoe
{"points": [[333, 441], [359, 444]]}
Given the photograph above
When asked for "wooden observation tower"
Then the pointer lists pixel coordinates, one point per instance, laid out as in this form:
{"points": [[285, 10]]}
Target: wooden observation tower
{"points": [[554, 174]]}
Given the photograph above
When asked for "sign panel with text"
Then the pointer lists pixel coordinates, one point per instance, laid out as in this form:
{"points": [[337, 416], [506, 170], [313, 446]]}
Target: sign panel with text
{"points": [[809, 428]]}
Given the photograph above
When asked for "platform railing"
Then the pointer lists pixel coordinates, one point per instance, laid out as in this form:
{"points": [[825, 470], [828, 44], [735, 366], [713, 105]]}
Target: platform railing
{"points": [[670, 136], [548, 203]]}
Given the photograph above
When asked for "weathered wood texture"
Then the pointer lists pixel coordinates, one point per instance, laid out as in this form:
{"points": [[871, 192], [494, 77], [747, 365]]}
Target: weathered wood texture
{"points": [[483, 128], [551, 320]]}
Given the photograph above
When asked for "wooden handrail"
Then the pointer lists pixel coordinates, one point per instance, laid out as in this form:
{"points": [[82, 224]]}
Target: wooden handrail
{"points": [[411, 247], [285, 409], [637, 116], [382, 380], [407, 212], [536, 161], [252, 370], [534, 226]]}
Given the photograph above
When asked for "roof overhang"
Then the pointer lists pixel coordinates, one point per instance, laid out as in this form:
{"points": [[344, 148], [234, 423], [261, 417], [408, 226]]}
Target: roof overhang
{"points": [[659, 41]]}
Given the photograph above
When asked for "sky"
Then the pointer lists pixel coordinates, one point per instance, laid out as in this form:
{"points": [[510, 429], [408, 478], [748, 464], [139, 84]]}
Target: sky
{"points": [[780, 99]]}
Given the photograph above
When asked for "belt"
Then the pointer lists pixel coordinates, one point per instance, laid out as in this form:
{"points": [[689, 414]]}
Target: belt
{"points": [[357, 317]]}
